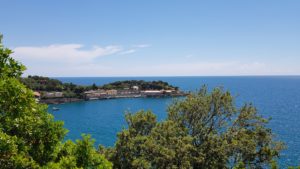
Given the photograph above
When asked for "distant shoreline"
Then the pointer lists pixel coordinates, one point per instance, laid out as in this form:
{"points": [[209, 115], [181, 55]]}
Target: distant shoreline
{"points": [[54, 91], [55, 101]]}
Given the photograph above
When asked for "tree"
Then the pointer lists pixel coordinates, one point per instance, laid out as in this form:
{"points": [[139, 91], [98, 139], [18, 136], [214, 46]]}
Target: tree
{"points": [[8, 66], [87, 156], [94, 86], [224, 135], [205, 130], [29, 136], [10, 156], [36, 131], [169, 146], [130, 149]]}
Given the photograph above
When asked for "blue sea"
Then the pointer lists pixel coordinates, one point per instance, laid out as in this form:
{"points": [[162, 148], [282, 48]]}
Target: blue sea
{"points": [[276, 97]]}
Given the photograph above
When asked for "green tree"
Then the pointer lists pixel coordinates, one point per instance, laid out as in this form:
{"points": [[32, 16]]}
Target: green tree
{"points": [[10, 156], [94, 86], [87, 156], [169, 146], [130, 149], [29, 136], [224, 135], [8, 66], [36, 131], [205, 130], [80, 155]]}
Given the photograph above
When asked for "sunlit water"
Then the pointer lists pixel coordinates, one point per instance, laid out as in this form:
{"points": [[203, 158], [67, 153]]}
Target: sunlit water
{"points": [[276, 97]]}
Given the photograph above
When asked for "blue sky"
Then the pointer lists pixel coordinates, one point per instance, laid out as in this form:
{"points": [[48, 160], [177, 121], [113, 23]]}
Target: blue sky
{"points": [[154, 38]]}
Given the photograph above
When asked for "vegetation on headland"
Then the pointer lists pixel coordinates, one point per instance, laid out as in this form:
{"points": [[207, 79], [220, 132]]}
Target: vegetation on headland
{"points": [[205, 130], [141, 84], [70, 90], [46, 84]]}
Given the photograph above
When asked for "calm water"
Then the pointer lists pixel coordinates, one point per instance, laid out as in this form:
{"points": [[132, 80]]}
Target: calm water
{"points": [[277, 97]]}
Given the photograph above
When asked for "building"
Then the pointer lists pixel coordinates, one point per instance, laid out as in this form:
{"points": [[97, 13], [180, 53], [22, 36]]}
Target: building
{"points": [[48, 95], [128, 92], [152, 93], [95, 94], [37, 95], [111, 92], [135, 87]]}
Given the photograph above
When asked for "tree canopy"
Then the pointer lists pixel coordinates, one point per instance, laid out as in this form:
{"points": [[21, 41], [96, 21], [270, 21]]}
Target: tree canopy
{"points": [[143, 85], [205, 130], [29, 136], [70, 90]]}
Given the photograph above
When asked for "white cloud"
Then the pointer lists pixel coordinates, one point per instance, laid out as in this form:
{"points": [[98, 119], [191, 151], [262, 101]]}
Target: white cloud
{"points": [[67, 59], [64, 53]]}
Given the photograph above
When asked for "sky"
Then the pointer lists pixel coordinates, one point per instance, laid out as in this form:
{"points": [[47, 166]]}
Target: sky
{"points": [[100, 38]]}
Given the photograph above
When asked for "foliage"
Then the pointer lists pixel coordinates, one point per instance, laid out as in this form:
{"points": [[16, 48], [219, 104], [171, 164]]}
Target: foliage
{"points": [[8, 66], [45, 84], [70, 90], [29, 136], [40, 83], [143, 85], [10, 156], [206, 130], [80, 155], [131, 146], [87, 156]]}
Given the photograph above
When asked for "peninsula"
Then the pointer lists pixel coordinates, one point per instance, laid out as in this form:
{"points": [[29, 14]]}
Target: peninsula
{"points": [[53, 91]]}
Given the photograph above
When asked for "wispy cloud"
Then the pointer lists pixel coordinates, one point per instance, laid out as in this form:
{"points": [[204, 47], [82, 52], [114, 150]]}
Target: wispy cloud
{"points": [[64, 53], [127, 51], [71, 53], [68, 59], [141, 45]]}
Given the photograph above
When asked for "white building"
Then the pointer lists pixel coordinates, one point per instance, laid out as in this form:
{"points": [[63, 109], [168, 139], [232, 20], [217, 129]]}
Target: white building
{"points": [[135, 87], [53, 94]]}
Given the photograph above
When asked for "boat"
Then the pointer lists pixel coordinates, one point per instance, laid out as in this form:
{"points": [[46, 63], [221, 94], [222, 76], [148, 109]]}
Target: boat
{"points": [[55, 108]]}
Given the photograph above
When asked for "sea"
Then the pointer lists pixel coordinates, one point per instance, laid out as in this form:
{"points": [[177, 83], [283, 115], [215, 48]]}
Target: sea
{"points": [[276, 97]]}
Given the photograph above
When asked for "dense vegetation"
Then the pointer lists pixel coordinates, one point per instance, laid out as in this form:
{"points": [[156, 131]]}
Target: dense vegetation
{"points": [[205, 130], [39, 83], [143, 85], [45, 84], [29, 136]]}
